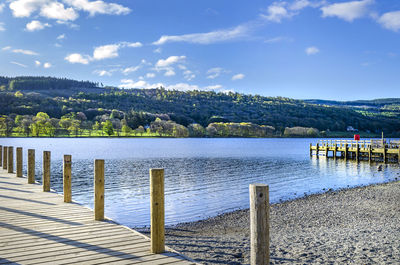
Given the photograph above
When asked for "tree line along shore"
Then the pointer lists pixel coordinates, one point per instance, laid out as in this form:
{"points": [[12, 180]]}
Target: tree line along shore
{"points": [[56, 107]]}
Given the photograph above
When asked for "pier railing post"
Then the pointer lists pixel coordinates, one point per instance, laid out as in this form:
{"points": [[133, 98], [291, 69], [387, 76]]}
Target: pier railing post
{"points": [[67, 178], [317, 150], [5, 155], [370, 153], [19, 162], [99, 189], [398, 155], [259, 224], [1, 156], [31, 166], [46, 171], [310, 149], [358, 151], [157, 211], [10, 158]]}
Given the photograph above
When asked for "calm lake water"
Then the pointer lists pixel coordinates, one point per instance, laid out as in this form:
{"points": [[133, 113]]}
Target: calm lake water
{"points": [[203, 177]]}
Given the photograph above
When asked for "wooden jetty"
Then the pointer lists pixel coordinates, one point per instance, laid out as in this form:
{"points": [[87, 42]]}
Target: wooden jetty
{"points": [[369, 150], [38, 227]]}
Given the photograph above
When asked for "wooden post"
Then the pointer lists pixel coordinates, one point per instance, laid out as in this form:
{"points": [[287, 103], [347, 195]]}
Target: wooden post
{"points": [[31, 166], [398, 156], [358, 151], [10, 158], [5, 154], [259, 224], [46, 171], [346, 155], [384, 155], [19, 162], [310, 149], [1, 156], [157, 211], [370, 153], [317, 150], [99, 189], [67, 178]]}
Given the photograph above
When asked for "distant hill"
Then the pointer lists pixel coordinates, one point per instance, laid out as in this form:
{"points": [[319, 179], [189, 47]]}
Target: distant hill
{"points": [[58, 97]]}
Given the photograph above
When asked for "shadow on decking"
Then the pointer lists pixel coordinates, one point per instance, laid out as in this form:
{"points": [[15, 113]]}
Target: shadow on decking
{"points": [[10, 183], [25, 200], [11, 189], [78, 244], [35, 215]]}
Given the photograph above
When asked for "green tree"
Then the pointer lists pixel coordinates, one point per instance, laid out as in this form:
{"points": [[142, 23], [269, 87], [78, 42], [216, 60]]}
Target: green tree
{"points": [[108, 128]]}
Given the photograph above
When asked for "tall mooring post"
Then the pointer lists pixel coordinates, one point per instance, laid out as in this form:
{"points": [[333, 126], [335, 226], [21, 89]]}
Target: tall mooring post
{"points": [[10, 158], [5, 155], [67, 178], [157, 214], [259, 224], [99, 189], [1, 156], [19, 162], [46, 171], [31, 166]]}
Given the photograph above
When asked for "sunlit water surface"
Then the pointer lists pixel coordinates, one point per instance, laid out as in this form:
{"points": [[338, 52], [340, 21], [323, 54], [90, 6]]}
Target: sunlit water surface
{"points": [[203, 177]]}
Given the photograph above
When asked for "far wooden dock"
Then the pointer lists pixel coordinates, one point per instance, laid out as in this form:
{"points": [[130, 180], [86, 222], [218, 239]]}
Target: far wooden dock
{"points": [[370, 150]]}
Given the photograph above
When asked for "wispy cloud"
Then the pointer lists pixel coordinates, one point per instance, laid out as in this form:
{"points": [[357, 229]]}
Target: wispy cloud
{"points": [[208, 37], [2, 5], [99, 7], [215, 72], [170, 61], [19, 64], [238, 77], [61, 37], [47, 65], [348, 11], [102, 72], [278, 39], [26, 52], [2, 26], [312, 50]]}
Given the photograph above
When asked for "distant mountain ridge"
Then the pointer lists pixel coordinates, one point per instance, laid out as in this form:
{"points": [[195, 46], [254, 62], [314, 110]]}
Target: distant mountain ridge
{"points": [[59, 96]]}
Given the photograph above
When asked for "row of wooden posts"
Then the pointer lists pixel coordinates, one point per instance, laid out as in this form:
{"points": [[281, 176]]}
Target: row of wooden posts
{"points": [[259, 199]]}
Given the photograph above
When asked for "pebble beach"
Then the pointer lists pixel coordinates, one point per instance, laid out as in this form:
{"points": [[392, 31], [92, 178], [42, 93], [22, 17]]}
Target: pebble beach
{"points": [[352, 226]]}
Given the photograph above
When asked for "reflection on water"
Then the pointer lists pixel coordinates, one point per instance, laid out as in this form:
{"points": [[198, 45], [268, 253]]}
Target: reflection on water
{"points": [[203, 177]]}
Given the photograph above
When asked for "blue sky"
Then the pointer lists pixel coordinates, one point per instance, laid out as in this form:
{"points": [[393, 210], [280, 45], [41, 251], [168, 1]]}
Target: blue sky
{"points": [[341, 50]]}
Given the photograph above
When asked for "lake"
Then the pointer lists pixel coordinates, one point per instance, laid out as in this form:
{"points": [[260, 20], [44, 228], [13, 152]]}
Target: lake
{"points": [[203, 177]]}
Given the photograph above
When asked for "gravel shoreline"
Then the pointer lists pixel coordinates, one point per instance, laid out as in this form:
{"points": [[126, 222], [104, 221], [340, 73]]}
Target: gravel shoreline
{"points": [[352, 226]]}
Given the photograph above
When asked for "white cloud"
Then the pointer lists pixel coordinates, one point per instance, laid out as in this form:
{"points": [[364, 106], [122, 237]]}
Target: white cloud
{"points": [[24, 8], [111, 50], [106, 51], [35, 25], [102, 73], [301, 4], [158, 50], [215, 72], [312, 50], [56, 10], [390, 20], [129, 83], [68, 24], [206, 38], [2, 28], [61, 37], [26, 52], [169, 72], [47, 65], [2, 7], [99, 7], [170, 60], [6, 48], [188, 75], [150, 75], [277, 12], [238, 77], [19, 64], [347, 11], [38, 63], [183, 87], [77, 58], [214, 87], [130, 69]]}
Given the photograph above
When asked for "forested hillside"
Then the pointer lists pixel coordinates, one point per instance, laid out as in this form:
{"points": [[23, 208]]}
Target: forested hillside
{"points": [[70, 107]]}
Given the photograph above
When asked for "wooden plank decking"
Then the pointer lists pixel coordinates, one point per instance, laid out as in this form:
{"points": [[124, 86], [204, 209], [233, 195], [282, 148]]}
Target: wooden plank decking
{"points": [[38, 227]]}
